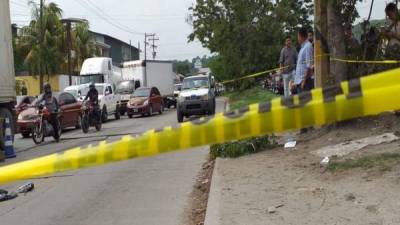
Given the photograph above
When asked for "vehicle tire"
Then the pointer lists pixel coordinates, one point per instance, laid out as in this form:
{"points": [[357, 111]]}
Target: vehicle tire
{"points": [[104, 114], [5, 113], [130, 116], [38, 134], [79, 122], [59, 131], [85, 124], [151, 110], [180, 116], [213, 107], [117, 113], [26, 134], [98, 125]]}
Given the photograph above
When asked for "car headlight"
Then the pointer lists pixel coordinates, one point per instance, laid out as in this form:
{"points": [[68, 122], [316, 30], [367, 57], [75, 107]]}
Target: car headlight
{"points": [[181, 98], [146, 102], [20, 117], [204, 97]]}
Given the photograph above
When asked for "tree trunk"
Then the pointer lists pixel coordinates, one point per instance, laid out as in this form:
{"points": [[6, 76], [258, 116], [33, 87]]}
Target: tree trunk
{"points": [[336, 41]]}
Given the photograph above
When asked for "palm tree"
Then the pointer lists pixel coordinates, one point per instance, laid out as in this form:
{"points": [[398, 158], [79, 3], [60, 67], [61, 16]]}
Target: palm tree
{"points": [[42, 41], [83, 43]]}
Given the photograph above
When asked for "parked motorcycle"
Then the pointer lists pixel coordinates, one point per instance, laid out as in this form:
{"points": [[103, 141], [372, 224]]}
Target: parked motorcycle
{"points": [[43, 128], [90, 117]]}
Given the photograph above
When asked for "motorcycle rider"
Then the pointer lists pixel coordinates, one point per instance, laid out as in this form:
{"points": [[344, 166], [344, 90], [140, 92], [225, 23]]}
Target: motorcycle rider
{"points": [[93, 96], [52, 106]]}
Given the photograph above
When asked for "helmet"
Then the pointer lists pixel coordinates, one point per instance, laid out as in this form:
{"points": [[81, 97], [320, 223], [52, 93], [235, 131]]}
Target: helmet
{"points": [[47, 88], [91, 86]]}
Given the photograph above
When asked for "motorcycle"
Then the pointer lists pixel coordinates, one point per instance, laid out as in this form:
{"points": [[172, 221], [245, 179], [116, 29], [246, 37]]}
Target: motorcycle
{"points": [[43, 128], [89, 117]]}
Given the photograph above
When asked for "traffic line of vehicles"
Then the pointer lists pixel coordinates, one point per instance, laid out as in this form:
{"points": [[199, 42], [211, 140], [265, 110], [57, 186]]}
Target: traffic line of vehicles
{"points": [[135, 88]]}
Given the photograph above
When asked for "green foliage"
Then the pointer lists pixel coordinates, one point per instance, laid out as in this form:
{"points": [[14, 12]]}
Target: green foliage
{"points": [[28, 51], [240, 99], [247, 35], [236, 149], [48, 55], [83, 43], [384, 160], [183, 67]]}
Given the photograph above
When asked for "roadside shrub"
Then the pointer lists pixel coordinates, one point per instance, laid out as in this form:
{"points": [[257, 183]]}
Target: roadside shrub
{"points": [[236, 149]]}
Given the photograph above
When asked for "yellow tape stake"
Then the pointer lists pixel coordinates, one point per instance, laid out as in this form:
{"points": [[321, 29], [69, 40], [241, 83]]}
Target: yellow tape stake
{"points": [[361, 97]]}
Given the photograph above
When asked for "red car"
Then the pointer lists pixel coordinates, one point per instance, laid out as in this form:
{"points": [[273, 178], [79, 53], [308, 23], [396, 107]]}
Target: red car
{"points": [[145, 101], [23, 102], [70, 115]]}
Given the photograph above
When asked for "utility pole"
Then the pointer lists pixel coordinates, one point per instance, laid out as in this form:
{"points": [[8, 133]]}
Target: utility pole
{"points": [[321, 57], [153, 46], [69, 44], [146, 35], [130, 50], [41, 48], [68, 25]]}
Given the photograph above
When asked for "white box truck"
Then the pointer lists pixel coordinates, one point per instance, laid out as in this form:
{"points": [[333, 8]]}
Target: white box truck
{"points": [[152, 73], [7, 76]]}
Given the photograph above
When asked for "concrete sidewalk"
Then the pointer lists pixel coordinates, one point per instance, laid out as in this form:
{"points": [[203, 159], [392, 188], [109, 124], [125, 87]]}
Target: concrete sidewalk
{"points": [[244, 189]]}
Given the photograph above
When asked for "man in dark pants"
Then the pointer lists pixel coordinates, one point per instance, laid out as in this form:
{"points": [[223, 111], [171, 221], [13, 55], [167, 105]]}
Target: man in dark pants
{"points": [[52, 106], [303, 75], [93, 96]]}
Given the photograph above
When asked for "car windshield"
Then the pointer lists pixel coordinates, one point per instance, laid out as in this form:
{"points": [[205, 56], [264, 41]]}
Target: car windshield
{"points": [[99, 89], [178, 87], [125, 87], [195, 83], [73, 92], [143, 92], [92, 78]]}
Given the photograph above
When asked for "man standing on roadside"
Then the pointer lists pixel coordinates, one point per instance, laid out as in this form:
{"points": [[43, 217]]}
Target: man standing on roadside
{"points": [[287, 62], [303, 74]]}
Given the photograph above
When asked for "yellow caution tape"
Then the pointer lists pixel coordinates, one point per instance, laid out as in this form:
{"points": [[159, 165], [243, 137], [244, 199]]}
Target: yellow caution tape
{"points": [[361, 97], [324, 55], [366, 61]]}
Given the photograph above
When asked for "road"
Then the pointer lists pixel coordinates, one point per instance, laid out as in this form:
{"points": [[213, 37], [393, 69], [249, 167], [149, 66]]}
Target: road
{"points": [[139, 191]]}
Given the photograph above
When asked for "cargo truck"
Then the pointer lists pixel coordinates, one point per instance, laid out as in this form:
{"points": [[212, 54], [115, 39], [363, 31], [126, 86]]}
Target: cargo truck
{"points": [[7, 76]]}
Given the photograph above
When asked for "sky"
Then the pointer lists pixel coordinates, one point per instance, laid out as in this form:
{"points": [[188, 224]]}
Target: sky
{"points": [[128, 20]]}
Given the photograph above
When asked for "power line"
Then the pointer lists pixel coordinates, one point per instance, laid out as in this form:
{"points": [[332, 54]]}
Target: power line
{"points": [[19, 4], [92, 8]]}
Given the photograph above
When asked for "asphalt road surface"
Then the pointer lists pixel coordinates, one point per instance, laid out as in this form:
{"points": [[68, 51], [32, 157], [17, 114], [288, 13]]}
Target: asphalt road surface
{"points": [[139, 191]]}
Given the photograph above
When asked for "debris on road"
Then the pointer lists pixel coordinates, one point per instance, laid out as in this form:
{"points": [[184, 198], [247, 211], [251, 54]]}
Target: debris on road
{"points": [[350, 197], [26, 188], [290, 144], [350, 146], [3, 192], [8, 196], [271, 209], [325, 162]]}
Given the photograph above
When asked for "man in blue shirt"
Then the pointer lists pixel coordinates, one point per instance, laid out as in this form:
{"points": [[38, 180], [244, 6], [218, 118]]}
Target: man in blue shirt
{"points": [[302, 78]]}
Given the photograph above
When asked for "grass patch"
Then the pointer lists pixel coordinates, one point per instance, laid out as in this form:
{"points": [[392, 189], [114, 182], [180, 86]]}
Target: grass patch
{"points": [[384, 161], [236, 149], [240, 99]]}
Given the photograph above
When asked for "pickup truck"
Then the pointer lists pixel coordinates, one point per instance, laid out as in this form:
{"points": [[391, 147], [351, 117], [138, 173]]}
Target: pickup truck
{"points": [[197, 97], [109, 101]]}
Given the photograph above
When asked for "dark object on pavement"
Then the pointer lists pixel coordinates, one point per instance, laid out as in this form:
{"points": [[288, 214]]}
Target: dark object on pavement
{"points": [[26, 188], [3, 192], [9, 196]]}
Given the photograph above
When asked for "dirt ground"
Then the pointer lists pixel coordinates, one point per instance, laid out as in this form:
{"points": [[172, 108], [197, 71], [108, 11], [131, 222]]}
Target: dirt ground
{"points": [[197, 205], [302, 192]]}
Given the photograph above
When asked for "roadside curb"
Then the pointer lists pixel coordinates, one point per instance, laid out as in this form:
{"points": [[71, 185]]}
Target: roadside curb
{"points": [[213, 204]]}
